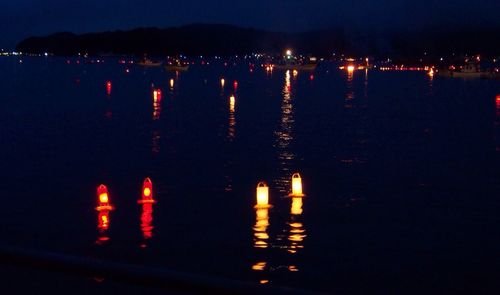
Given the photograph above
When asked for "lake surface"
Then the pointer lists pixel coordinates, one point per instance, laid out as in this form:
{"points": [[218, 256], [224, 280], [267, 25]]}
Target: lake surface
{"points": [[400, 170]]}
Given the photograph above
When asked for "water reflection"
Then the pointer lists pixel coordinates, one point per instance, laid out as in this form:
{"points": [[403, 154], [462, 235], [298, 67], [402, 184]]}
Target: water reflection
{"points": [[497, 122], [261, 236], [147, 222], [156, 104], [102, 226], [231, 130], [284, 136], [350, 88]]}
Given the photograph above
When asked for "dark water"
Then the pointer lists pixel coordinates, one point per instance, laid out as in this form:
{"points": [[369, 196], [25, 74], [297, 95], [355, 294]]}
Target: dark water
{"points": [[401, 173]]}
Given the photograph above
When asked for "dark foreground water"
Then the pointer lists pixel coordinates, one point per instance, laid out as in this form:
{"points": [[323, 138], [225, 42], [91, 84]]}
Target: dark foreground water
{"points": [[401, 173]]}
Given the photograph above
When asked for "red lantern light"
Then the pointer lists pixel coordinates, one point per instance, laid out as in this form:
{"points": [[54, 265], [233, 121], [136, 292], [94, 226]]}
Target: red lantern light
{"points": [[235, 84], [103, 198], [108, 88], [147, 192]]}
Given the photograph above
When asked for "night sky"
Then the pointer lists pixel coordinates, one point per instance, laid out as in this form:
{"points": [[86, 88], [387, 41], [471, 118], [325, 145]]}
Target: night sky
{"points": [[22, 18]]}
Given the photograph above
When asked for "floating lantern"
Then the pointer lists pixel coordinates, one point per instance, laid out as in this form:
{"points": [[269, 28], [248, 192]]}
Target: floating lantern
{"points": [[295, 73], [296, 186], [235, 84], [147, 192], [171, 83], [262, 195], [431, 72], [103, 198], [222, 82]]}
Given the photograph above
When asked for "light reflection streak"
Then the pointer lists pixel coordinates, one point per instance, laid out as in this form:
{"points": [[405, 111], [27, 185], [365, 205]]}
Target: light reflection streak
{"points": [[147, 222], [284, 137], [156, 104], [261, 236], [231, 130], [350, 89], [103, 226]]}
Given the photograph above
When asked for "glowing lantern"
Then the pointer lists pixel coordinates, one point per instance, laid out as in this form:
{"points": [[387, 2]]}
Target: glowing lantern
{"points": [[235, 84], [262, 195], [103, 198], [171, 83], [295, 73], [296, 186], [147, 191], [108, 88], [350, 68], [431, 72], [222, 82]]}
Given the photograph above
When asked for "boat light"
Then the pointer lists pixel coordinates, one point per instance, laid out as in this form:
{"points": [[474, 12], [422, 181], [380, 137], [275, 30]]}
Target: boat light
{"points": [[262, 195], [296, 186]]}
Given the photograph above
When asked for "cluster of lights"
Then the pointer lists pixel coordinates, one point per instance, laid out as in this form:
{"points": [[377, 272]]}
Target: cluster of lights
{"points": [[104, 207], [262, 193], [403, 68]]}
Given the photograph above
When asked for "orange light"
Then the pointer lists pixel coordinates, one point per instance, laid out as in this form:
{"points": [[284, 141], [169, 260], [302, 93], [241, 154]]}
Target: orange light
{"points": [[171, 83], [147, 192], [103, 198], [431, 72], [498, 98], [350, 68], [295, 73]]}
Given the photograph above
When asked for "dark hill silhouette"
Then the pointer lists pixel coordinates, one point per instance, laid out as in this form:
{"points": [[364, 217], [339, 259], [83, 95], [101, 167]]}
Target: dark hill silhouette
{"points": [[218, 39]]}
